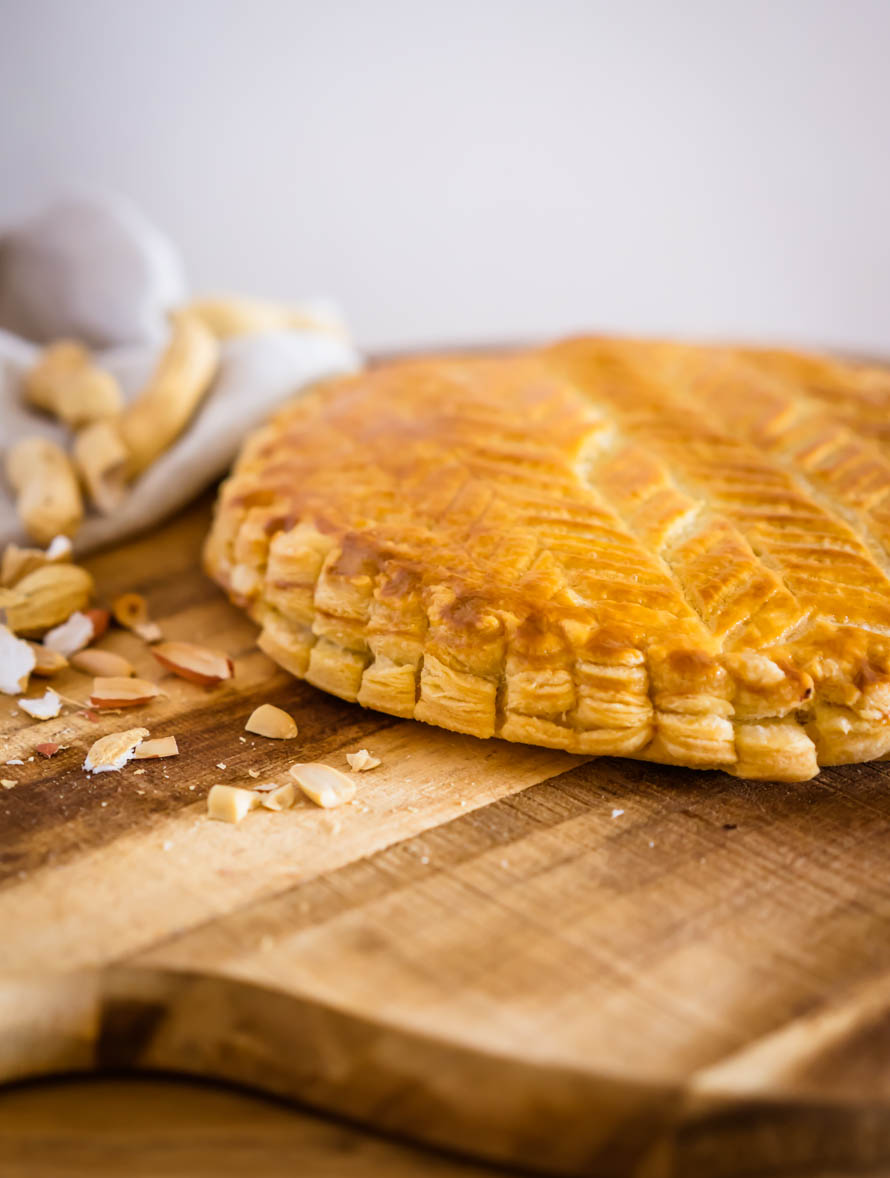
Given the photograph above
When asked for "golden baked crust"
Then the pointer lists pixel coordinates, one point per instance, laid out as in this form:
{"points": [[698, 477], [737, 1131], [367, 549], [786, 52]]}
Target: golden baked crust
{"points": [[615, 547]]}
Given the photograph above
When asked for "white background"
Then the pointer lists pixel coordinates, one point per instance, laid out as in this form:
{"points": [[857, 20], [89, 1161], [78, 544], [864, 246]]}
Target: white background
{"points": [[479, 168]]}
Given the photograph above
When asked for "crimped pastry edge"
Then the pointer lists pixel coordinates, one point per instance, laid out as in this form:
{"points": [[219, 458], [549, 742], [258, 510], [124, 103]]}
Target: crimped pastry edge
{"points": [[788, 747], [328, 640]]}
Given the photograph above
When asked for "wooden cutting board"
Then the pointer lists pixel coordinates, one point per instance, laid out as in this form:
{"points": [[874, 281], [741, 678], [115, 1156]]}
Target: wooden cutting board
{"points": [[585, 968]]}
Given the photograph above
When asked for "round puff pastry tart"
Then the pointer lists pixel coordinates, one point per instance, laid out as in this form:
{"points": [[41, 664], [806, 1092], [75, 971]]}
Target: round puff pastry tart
{"points": [[613, 547]]}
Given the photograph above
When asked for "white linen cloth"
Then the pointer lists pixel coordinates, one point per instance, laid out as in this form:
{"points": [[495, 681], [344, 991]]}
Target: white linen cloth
{"points": [[93, 269]]}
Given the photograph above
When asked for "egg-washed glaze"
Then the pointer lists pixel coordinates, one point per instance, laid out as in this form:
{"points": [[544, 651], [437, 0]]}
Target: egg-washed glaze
{"points": [[615, 547]]}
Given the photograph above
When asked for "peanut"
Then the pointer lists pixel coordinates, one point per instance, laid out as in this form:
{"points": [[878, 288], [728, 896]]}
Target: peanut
{"points": [[226, 316], [52, 594], [48, 662], [18, 562], [230, 803], [66, 382], [115, 691], [267, 720], [282, 797], [105, 664], [323, 784], [102, 458], [198, 664], [48, 501], [153, 750], [160, 413], [362, 761]]}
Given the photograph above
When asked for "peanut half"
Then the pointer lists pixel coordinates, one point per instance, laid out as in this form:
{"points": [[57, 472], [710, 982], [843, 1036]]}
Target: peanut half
{"points": [[267, 720], [120, 692], [198, 664], [65, 381], [48, 497], [104, 663]]}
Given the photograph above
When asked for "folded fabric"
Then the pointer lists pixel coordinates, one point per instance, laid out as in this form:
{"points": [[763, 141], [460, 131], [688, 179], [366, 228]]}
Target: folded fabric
{"points": [[116, 294]]}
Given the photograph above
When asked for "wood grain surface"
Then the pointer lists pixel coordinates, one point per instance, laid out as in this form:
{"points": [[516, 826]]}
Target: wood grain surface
{"points": [[135, 1127], [605, 968]]}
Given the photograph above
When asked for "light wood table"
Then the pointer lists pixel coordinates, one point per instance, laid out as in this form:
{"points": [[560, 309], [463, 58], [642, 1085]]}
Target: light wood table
{"points": [[143, 1128], [605, 968]]}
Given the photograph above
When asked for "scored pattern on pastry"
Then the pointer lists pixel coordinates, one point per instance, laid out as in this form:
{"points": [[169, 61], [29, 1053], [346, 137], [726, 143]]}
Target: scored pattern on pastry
{"points": [[614, 547]]}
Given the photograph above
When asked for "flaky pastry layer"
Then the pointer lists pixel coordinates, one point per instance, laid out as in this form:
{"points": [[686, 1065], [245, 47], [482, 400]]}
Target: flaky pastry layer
{"points": [[613, 547]]}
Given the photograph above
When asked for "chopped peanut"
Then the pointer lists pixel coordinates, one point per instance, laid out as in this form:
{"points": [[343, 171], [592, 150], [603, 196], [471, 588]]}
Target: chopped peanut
{"points": [[281, 797], [152, 750], [362, 761], [230, 803], [267, 720], [323, 784]]}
